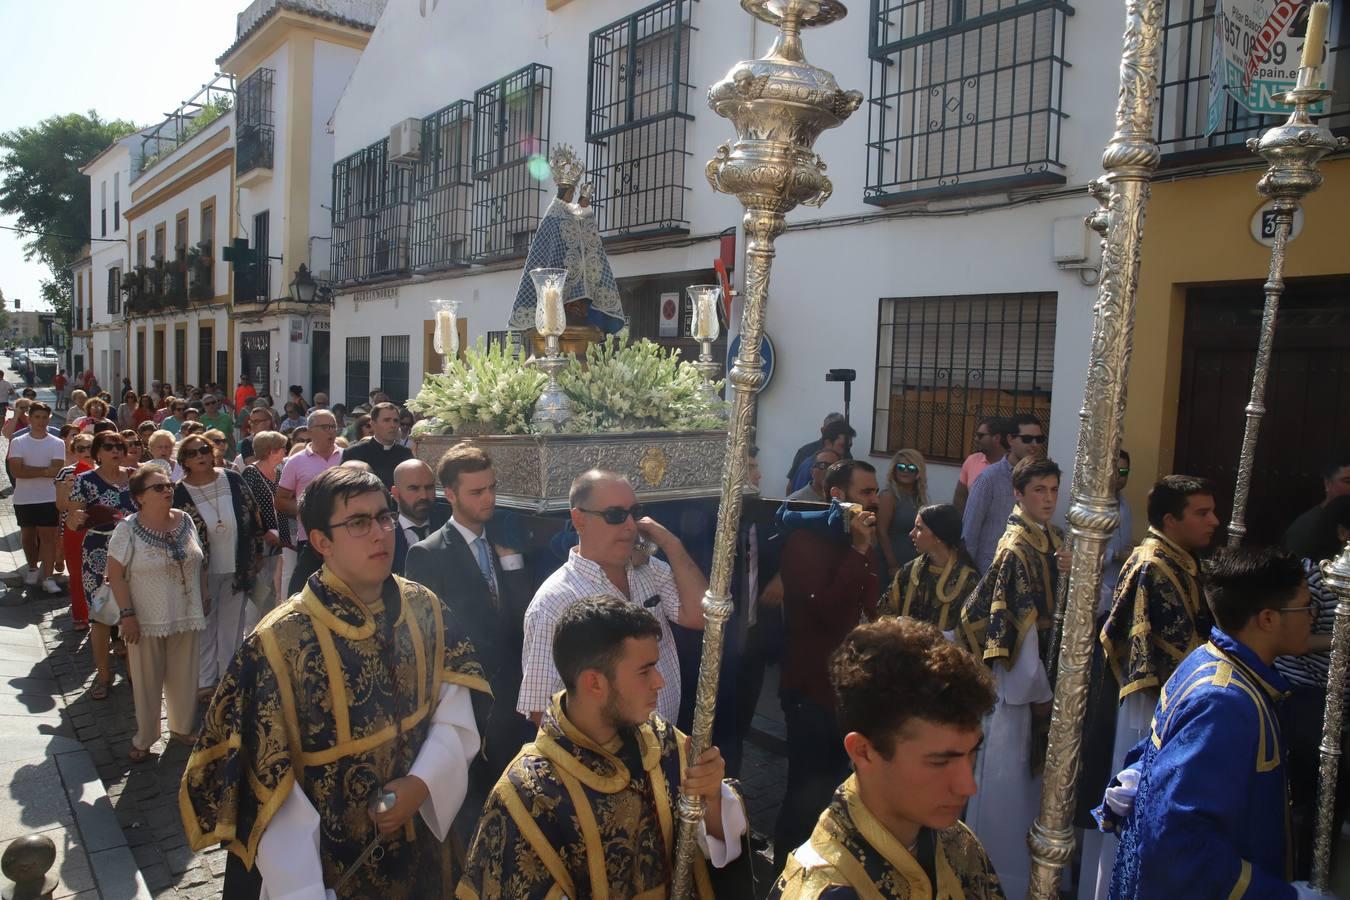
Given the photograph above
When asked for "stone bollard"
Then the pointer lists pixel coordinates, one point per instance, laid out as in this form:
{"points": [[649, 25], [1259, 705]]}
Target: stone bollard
{"points": [[26, 862]]}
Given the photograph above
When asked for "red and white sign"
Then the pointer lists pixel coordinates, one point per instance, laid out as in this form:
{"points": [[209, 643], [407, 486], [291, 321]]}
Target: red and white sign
{"points": [[670, 315]]}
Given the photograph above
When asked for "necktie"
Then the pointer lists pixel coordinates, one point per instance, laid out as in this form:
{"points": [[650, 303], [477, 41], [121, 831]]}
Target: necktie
{"points": [[480, 550], [420, 531]]}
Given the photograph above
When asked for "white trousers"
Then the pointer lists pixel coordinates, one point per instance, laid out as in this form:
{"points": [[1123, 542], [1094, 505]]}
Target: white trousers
{"points": [[163, 671], [288, 558], [231, 617]]}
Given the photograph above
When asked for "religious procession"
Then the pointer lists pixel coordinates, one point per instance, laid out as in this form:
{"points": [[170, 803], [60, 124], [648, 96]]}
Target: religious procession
{"points": [[529, 628]]}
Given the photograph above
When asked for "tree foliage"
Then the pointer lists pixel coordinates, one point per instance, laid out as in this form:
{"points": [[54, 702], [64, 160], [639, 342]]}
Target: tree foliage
{"points": [[42, 187]]}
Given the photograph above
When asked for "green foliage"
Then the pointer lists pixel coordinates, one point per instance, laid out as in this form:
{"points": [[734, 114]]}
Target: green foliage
{"points": [[41, 186], [638, 387]]}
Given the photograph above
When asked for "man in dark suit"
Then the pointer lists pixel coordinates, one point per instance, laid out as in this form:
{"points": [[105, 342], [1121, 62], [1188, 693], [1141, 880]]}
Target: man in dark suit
{"points": [[419, 515], [382, 450], [486, 590]]}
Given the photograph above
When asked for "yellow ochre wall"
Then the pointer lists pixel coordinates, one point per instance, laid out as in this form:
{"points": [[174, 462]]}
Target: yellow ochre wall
{"points": [[1198, 231]]}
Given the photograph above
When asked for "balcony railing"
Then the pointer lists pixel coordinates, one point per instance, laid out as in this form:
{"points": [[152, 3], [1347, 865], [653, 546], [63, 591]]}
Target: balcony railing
{"points": [[510, 141], [253, 148], [371, 216], [215, 99]]}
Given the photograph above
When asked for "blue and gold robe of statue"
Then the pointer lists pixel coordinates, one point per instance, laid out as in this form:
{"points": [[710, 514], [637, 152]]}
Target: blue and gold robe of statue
{"points": [[930, 593], [1158, 615], [569, 238], [1016, 597], [1211, 815], [852, 855], [570, 818], [335, 697]]}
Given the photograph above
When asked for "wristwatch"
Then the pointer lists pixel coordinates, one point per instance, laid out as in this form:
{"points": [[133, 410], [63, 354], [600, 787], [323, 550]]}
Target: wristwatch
{"points": [[126, 612]]}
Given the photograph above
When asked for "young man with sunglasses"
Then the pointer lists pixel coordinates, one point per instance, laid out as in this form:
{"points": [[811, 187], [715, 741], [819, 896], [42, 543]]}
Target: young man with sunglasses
{"points": [[816, 491], [990, 447], [991, 496], [608, 520], [361, 687]]}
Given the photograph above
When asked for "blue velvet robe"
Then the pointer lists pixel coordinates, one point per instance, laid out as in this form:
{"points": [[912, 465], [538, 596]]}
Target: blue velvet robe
{"points": [[1211, 815]]}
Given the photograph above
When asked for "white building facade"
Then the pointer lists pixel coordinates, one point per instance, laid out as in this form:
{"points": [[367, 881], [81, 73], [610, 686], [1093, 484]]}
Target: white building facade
{"points": [[950, 269], [290, 61], [101, 333]]}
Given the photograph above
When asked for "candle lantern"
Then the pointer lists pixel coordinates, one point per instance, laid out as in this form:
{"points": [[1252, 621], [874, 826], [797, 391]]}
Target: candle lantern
{"points": [[552, 409], [705, 299], [445, 337]]}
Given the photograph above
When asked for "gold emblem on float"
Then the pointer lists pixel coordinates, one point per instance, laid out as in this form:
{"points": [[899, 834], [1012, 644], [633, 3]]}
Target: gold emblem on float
{"points": [[653, 466]]}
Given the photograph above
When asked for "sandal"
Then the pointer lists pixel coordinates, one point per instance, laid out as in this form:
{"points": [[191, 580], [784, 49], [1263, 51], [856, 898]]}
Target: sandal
{"points": [[100, 690], [187, 740], [205, 694], [81, 626], [137, 755]]}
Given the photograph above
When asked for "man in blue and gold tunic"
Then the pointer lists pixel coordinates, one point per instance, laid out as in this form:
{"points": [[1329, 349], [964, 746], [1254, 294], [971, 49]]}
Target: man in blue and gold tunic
{"points": [[1158, 615], [356, 687], [1210, 802], [910, 704], [589, 809]]}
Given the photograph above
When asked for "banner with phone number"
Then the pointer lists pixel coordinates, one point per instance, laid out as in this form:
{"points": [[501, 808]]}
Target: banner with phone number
{"points": [[1255, 55]]}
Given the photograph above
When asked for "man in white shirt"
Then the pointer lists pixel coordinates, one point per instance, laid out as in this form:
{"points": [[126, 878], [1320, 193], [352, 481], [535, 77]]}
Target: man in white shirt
{"points": [[608, 520], [34, 459]]}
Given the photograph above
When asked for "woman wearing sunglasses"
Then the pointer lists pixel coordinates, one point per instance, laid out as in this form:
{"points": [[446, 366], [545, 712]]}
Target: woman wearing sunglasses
{"points": [[98, 501], [155, 570], [897, 504], [78, 460], [933, 585], [226, 517]]}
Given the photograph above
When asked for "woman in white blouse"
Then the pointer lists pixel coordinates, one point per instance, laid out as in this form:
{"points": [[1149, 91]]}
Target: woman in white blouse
{"points": [[156, 549]]}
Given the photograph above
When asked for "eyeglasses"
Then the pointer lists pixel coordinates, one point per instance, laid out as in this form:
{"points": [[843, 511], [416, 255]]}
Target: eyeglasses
{"points": [[119, 448], [323, 427], [359, 526], [821, 465], [907, 467], [159, 487], [200, 451], [1122, 472], [981, 434], [134, 444], [219, 442], [1031, 438], [1309, 609], [616, 515]]}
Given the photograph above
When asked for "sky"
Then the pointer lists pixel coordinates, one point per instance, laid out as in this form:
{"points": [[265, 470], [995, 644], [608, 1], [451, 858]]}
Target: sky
{"points": [[127, 59]]}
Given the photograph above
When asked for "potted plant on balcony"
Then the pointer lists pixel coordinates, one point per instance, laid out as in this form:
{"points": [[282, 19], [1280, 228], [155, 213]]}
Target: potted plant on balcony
{"points": [[200, 283]]}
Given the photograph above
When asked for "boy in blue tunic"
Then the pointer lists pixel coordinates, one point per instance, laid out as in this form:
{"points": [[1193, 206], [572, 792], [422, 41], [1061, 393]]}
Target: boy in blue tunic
{"points": [[1210, 815]]}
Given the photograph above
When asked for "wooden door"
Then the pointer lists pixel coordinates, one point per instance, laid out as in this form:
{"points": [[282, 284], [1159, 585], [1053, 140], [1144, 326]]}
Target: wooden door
{"points": [[1307, 395]]}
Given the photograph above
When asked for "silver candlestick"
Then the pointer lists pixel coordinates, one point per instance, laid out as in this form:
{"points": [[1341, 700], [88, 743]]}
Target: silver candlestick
{"points": [[704, 298], [552, 410]]}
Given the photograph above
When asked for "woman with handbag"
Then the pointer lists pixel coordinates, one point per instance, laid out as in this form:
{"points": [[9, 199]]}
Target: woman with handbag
{"points": [[157, 550], [260, 476], [226, 517], [98, 501], [72, 539]]}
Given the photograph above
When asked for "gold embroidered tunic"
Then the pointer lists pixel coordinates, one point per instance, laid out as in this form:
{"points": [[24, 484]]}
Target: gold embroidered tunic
{"points": [[1016, 597], [334, 697], [570, 818], [1157, 617], [930, 593], [852, 855]]}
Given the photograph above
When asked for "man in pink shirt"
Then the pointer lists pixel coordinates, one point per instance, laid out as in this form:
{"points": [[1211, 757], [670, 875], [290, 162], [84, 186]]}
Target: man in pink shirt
{"points": [[321, 454], [990, 445]]}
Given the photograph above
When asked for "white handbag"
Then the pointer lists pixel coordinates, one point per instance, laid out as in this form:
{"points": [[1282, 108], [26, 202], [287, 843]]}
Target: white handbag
{"points": [[103, 607]]}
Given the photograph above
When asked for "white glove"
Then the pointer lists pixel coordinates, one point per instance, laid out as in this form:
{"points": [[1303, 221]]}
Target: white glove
{"points": [[1120, 798], [1305, 892]]}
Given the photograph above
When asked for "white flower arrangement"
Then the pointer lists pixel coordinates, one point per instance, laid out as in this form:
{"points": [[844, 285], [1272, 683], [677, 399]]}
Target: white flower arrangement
{"points": [[488, 390], [638, 387], [641, 386]]}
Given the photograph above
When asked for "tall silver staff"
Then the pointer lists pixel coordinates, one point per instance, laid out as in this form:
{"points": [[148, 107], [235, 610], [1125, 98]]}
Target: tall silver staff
{"points": [[1129, 160], [1293, 150], [1335, 575], [779, 105]]}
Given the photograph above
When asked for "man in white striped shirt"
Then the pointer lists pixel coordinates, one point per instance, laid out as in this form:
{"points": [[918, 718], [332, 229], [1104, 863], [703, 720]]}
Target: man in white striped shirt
{"points": [[608, 519]]}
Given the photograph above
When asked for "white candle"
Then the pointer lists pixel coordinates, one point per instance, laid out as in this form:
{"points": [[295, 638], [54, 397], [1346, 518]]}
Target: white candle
{"points": [[1316, 36], [447, 332], [548, 312], [704, 299]]}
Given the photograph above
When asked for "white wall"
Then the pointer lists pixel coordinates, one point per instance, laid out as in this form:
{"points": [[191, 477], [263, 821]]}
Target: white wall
{"points": [[333, 67], [827, 281]]}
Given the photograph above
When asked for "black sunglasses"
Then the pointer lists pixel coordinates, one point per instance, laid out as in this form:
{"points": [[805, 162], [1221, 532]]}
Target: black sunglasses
{"points": [[159, 487], [615, 515], [907, 467], [1031, 438], [200, 451]]}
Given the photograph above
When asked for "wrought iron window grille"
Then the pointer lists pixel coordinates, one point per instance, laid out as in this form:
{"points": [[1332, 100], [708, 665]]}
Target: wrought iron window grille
{"points": [[395, 350], [636, 116], [253, 149], [966, 96], [1184, 90], [945, 362], [372, 214], [442, 197], [510, 154], [358, 371]]}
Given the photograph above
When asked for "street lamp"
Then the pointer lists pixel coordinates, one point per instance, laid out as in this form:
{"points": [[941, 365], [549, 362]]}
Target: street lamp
{"points": [[304, 287]]}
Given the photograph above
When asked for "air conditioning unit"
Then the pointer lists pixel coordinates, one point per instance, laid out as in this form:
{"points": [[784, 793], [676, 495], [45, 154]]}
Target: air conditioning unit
{"points": [[405, 142]]}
